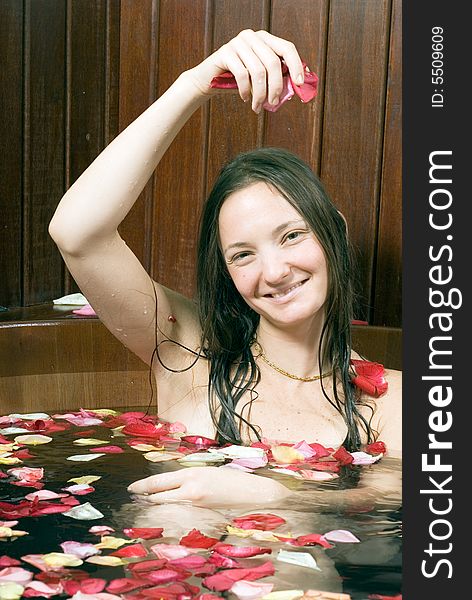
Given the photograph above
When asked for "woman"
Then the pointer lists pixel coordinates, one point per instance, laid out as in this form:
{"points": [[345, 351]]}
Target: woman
{"points": [[266, 351]]}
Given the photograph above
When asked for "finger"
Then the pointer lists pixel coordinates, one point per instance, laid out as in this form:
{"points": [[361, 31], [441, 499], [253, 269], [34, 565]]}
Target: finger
{"points": [[257, 71], [273, 67], [176, 496], [288, 52], [156, 483], [241, 75]]}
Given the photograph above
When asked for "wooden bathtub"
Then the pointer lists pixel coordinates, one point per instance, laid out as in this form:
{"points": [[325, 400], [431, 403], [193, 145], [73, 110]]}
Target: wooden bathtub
{"points": [[52, 360]]}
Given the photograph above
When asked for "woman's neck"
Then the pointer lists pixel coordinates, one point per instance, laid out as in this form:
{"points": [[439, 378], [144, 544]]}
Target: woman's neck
{"points": [[294, 349]]}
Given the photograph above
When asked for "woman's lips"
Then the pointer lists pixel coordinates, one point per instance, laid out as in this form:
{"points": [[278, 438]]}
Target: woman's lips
{"points": [[286, 294]]}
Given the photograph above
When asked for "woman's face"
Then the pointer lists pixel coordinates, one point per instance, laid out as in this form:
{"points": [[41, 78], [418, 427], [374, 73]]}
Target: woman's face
{"points": [[274, 259]]}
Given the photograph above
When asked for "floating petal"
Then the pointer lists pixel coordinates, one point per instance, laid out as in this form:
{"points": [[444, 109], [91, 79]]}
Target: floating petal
{"points": [[362, 458], [89, 442], [33, 439], [108, 561], [301, 559], [162, 456], [251, 590], [84, 512], [10, 591], [85, 479], [84, 457], [341, 535]]}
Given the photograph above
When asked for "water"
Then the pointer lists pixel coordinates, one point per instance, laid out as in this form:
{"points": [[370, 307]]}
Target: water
{"points": [[372, 566]]}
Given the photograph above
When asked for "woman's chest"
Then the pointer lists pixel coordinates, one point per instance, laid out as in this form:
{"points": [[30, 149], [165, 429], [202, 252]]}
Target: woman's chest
{"points": [[295, 413], [279, 410]]}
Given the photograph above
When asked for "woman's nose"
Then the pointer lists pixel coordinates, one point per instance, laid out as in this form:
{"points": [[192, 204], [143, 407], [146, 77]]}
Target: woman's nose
{"points": [[275, 269]]}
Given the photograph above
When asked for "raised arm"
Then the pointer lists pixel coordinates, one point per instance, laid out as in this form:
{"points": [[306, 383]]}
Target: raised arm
{"points": [[85, 223]]}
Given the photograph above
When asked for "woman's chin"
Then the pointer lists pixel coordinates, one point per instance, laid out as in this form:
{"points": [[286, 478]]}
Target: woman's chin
{"points": [[292, 319]]}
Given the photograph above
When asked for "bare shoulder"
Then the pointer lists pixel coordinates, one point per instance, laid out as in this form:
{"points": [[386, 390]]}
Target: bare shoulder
{"points": [[136, 309]]}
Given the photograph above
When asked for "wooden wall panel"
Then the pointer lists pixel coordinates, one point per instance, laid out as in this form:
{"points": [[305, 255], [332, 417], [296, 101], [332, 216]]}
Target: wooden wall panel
{"points": [[86, 90], [353, 122], [233, 126], [299, 128], [388, 274], [44, 145], [180, 176], [11, 150], [112, 71], [138, 32]]}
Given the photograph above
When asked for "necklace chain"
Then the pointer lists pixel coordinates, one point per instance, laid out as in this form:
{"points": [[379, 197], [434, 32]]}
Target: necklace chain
{"points": [[261, 353]]}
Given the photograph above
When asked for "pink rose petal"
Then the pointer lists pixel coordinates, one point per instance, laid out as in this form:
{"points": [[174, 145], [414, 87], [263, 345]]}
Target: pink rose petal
{"points": [[341, 535], [101, 529], [16, 575], [44, 495], [39, 589], [362, 458], [251, 590], [171, 551], [79, 549]]}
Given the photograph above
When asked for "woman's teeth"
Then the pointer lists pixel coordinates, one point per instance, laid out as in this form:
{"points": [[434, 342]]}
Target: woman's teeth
{"points": [[282, 294]]}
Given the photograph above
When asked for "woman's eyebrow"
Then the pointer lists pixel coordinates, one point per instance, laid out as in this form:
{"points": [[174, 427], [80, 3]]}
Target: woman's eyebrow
{"points": [[276, 231], [298, 222]]}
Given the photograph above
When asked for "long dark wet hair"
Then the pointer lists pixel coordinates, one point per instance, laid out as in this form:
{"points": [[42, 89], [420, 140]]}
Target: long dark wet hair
{"points": [[229, 325]]}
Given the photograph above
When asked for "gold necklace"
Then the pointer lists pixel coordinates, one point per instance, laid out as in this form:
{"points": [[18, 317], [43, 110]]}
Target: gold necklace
{"points": [[260, 351]]}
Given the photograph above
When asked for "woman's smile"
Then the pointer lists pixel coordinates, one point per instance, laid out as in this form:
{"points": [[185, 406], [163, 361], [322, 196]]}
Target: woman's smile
{"points": [[286, 294]]}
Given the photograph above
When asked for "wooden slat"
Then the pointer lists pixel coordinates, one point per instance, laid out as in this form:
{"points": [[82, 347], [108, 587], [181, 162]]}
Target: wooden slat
{"points": [[112, 74], [388, 278], [86, 90], [233, 128], [137, 48], [44, 152], [295, 126], [11, 149], [353, 122], [180, 175], [381, 344]]}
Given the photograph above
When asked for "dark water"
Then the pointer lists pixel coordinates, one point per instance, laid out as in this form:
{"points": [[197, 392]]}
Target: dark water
{"points": [[372, 566]]}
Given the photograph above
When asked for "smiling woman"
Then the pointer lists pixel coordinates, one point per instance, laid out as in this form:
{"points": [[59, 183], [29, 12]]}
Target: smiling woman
{"points": [[265, 352]]}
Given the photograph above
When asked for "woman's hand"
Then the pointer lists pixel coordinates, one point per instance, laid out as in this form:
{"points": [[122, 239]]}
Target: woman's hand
{"points": [[210, 487], [254, 59]]}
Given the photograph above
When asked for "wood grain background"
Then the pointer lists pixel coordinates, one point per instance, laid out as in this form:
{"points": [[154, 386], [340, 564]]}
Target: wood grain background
{"points": [[75, 72]]}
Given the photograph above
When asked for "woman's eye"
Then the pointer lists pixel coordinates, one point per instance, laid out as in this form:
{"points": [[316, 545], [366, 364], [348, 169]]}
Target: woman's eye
{"points": [[239, 257], [293, 235]]}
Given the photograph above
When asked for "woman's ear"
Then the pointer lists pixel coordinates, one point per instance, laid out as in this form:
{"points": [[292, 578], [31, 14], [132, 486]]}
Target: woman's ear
{"points": [[345, 222]]}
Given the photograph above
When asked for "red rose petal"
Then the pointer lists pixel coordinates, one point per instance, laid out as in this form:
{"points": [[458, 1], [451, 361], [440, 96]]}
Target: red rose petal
{"points": [[309, 88], [199, 440], [6, 561], [90, 585], [240, 551], [144, 533], [223, 561], [147, 565], [312, 539], [224, 580], [343, 456], [196, 539], [108, 449], [166, 575], [134, 550], [376, 448], [194, 561], [263, 522], [370, 377], [125, 584]]}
